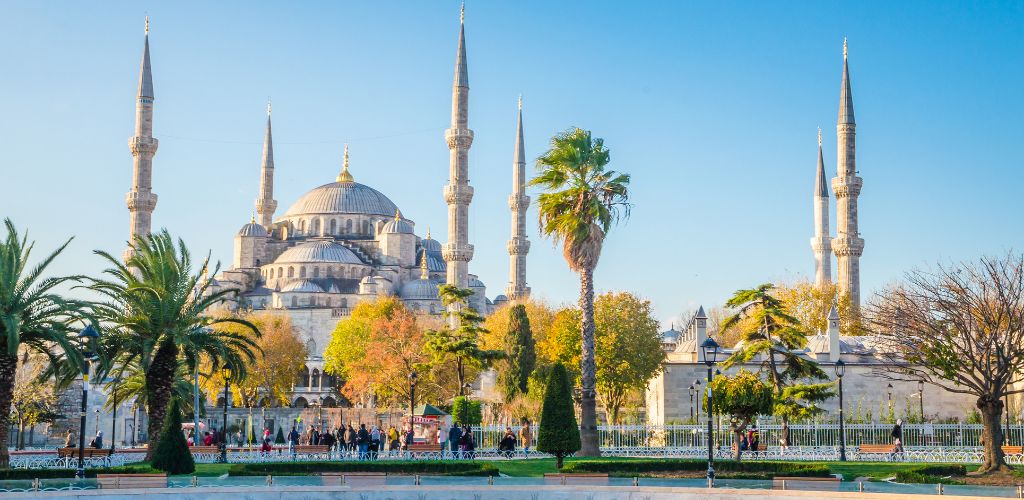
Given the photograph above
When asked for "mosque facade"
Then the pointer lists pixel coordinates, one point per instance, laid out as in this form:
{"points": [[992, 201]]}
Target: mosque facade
{"points": [[343, 242]]}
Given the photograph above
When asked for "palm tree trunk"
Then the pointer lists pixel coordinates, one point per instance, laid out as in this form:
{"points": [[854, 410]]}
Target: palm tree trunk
{"points": [[159, 380], [588, 368], [8, 367]]}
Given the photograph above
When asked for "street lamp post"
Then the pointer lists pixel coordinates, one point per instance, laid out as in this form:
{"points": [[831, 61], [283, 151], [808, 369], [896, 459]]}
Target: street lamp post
{"points": [[697, 391], [710, 349], [691, 402], [113, 421], [226, 372], [89, 336], [889, 389], [840, 371], [412, 394], [920, 395], [135, 421]]}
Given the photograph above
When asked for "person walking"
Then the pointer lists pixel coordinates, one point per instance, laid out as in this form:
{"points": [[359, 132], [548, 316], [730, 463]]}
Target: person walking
{"points": [[455, 441], [293, 440], [525, 437], [897, 437], [351, 438]]}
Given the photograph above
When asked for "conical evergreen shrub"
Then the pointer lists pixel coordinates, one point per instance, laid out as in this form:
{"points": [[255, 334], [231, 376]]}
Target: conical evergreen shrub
{"points": [[172, 454], [559, 434], [279, 438]]}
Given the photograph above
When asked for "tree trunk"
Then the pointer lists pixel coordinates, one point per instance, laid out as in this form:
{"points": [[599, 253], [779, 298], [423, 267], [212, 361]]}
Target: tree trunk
{"points": [[558, 460], [8, 367], [737, 436], [588, 368], [159, 380], [21, 434], [991, 408]]}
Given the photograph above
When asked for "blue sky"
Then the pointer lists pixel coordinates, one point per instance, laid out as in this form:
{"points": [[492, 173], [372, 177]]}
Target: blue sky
{"points": [[712, 107]]}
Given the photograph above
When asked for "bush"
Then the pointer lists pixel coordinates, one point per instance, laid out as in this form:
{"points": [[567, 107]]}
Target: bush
{"points": [[279, 438], [559, 434], [172, 454], [738, 470], [465, 411], [931, 474], [446, 467]]}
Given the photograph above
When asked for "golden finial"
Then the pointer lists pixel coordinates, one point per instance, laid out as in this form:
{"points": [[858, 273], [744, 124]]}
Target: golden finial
{"points": [[424, 273], [462, 14], [147, 25], [398, 215], [252, 218], [845, 51], [819, 137], [345, 176], [428, 233]]}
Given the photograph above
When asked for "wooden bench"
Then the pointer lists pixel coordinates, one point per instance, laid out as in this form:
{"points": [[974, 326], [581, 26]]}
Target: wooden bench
{"points": [[310, 448], [108, 481], [87, 452], [353, 478], [805, 483], [576, 479], [1013, 450], [877, 448], [205, 449], [425, 448]]}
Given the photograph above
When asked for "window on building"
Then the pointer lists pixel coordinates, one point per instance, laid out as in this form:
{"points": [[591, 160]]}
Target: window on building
{"points": [[334, 226], [291, 271], [316, 272], [348, 226]]}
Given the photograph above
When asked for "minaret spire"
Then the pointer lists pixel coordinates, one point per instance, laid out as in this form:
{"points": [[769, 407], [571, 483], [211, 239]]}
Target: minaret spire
{"points": [[519, 245], [141, 200], [266, 204], [345, 175], [458, 194], [847, 245], [820, 242]]}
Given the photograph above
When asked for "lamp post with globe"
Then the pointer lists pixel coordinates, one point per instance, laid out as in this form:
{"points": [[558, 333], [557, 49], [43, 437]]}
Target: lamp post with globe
{"points": [[840, 371], [710, 350], [225, 371], [89, 337]]}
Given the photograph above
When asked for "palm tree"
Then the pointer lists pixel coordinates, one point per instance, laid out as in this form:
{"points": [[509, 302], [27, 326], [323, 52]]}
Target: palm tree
{"points": [[156, 313], [32, 317], [580, 203]]}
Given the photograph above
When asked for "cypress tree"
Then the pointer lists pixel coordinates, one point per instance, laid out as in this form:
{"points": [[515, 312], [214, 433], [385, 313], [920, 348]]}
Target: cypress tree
{"points": [[521, 355], [279, 438], [559, 434], [172, 454]]}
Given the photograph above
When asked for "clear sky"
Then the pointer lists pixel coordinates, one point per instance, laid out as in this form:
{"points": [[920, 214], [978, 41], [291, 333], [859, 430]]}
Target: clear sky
{"points": [[713, 108]]}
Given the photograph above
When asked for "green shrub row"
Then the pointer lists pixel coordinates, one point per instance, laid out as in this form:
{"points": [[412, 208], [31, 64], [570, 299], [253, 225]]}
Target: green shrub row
{"points": [[449, 467], [15, 474], [758, 470], [931, 474]]}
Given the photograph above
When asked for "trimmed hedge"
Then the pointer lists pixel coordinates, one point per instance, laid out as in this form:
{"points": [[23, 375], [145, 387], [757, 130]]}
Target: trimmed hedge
{"points": [[449, 468], [931, 474], [737, 470], [16, 474]]}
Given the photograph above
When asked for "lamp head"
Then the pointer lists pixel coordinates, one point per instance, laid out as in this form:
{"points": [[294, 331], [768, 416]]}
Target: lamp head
{"points": [[840, 368], [227, 371], [710, 349]]}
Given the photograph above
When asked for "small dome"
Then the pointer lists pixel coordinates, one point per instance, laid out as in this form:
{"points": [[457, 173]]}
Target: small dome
{"points": [[670, 336], [500, 298], [397, 225], [429, 244], [476, 283], [318, 251], [252, 229], [420, 289], [302, 286]]}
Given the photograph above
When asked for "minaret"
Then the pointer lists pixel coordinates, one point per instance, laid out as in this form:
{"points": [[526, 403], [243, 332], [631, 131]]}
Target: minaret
{"points": [[821, 243], [847, 244], [266, 204], [457, 194], [518, 246], [141, 200]]}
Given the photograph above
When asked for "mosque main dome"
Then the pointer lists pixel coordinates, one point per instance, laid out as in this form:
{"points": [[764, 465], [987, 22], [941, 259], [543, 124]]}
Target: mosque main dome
{"points": [[343, 198]]}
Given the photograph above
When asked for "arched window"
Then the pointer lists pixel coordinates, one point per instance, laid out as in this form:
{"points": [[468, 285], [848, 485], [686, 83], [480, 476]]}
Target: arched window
{"points": [[300, 402], [291, 271], [344, 302], [328, 302], [366, 227], [295, 301], [334, 226], [303, 377], [314, 227], [257, 262], [329, 402], [348, 226], [302, 226], [330, 272], [315, 380], [302, 272], [316, 272]]}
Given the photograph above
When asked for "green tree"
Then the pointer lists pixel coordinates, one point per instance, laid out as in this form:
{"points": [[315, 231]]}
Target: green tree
{"points": [[156, 312], [628, 346], [279, 438], [466, 411], [33, 317], [520, 355], [559, 434], [460, 345], [810, 303], [171, 453], [742, 397], [769, 332], [580, 202]]}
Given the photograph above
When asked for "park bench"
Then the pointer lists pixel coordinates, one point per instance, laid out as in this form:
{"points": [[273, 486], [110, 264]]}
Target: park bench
{"points": [[1013, 450], [887, 449], [353, 478], [87, 452], [805, 483], [311, 448], [576, 479], [205, 449], [108, 481]]}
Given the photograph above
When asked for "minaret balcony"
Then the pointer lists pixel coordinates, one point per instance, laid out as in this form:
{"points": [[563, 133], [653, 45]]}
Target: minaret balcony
{"points": [[458, 194], [458, 138], [518, 246], [518, 203], [848, 246], [138, 144], [847, 186], [141, 201], [456, 252]]}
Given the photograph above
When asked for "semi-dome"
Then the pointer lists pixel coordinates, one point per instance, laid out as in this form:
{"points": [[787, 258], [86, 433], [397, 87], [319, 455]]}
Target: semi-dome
{"points": [[318, 251], [342, 198], [252, 229], [302, 286], [421, 289]]}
